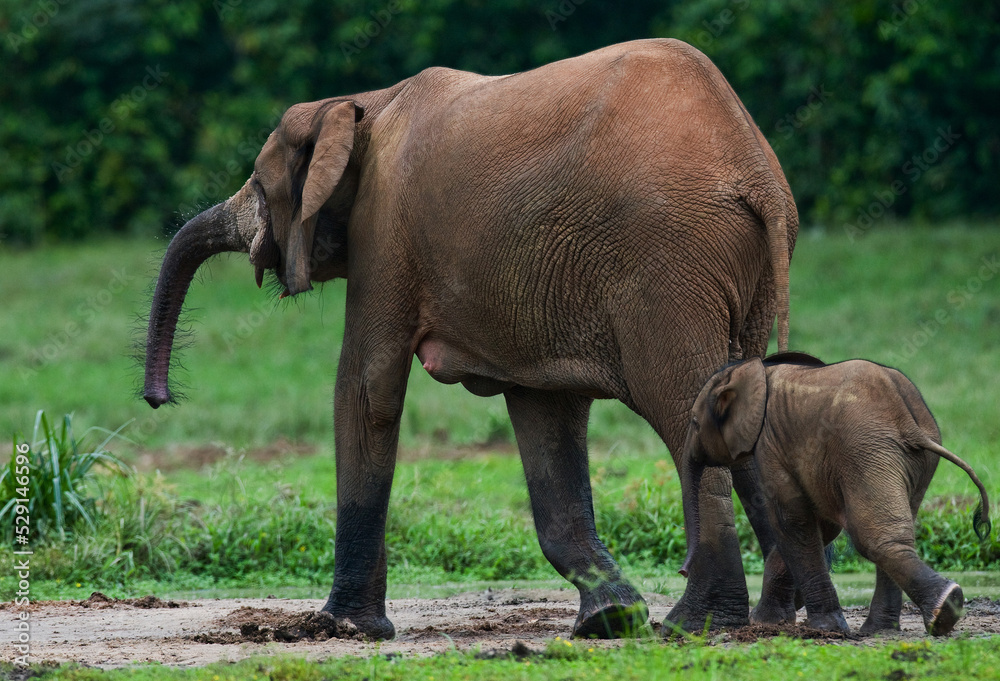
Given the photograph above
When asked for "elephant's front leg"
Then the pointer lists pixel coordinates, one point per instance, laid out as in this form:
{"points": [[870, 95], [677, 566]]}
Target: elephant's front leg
{"points": [[716, 593], [801, 541], [551, 430], [777, 598], [367, 408]]}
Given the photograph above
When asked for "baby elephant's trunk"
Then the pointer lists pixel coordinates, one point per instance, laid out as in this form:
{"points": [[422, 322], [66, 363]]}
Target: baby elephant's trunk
{"points": [[981, 518]]}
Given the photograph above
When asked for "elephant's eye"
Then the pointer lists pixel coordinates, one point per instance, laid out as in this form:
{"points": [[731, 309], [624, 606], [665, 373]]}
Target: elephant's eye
{"points": [[262, 212]]}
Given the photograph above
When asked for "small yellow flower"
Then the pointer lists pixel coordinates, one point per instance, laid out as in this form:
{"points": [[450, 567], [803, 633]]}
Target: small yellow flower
{"points": [[302, 548], [590, 650], [78, 585]]}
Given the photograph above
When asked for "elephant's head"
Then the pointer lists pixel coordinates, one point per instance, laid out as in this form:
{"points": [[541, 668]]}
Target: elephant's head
{"points": [[726, 422], [291, 217]]}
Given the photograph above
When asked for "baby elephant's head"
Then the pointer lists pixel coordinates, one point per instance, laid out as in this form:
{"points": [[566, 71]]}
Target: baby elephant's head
{"points": [[726, 421], [728, 415]]}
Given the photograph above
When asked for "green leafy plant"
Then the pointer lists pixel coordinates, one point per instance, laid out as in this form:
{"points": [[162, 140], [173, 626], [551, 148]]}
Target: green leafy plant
{"points": [[58, 467]]}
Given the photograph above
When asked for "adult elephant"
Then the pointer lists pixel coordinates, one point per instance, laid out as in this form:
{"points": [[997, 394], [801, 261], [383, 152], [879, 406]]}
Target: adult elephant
{"points": [[608, 226]]}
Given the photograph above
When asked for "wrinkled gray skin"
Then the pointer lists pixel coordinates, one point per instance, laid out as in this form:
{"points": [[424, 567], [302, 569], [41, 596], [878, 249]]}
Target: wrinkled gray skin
{"points": [[609, 226], [849, 445]]}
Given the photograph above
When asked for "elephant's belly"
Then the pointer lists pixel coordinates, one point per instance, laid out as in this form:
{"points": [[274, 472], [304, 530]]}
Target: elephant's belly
{"points": [[449, 364], [483, 376]]}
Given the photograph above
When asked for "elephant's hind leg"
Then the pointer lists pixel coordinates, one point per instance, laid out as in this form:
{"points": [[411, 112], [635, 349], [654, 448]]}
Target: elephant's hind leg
{"points": [[551, 430], [882, 531]]}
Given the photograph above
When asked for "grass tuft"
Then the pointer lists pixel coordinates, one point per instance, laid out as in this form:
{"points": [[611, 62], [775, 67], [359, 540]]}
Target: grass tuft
{"points": [[54, 472]]}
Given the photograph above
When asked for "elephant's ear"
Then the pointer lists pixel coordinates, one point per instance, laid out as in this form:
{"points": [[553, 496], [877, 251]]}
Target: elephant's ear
{"points": [[739, 406], [332, 134]]}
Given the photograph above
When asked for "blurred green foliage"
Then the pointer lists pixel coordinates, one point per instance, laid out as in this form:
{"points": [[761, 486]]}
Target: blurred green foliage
{"points": [[127, 116]]}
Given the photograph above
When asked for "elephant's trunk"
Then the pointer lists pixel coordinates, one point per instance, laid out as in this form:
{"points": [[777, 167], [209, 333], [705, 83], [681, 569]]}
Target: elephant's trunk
{"points": [[690, 485], [207, 234]]}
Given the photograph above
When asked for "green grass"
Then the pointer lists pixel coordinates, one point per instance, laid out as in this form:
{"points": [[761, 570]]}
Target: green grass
{"points": [[46, 480], [260, 370], [239, 524], [693, 659]]}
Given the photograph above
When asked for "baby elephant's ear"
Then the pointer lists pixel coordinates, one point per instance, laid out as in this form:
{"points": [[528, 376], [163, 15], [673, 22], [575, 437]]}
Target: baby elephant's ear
{"points": [[739, 406]]}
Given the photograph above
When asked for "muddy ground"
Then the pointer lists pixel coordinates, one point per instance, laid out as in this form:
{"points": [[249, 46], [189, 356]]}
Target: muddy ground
{"points": [[109, 633]]}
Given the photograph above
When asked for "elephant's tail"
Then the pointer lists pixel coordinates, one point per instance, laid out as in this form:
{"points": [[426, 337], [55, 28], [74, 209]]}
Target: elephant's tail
{"points": [[771, 207], [777, 240], [981, 518]]}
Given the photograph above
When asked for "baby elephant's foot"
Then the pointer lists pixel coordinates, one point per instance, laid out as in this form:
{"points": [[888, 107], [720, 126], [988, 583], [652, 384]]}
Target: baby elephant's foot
{"points": [[947, 612], [828, 621], [613, 610], [876, 623], [772, 613]]}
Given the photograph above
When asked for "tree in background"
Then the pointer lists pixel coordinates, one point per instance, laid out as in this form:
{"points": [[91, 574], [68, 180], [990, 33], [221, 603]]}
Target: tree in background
{"points": [[127, 116]]}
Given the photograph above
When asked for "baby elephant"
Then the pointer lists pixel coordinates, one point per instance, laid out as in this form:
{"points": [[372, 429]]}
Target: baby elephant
{"points": [[849, 445]]}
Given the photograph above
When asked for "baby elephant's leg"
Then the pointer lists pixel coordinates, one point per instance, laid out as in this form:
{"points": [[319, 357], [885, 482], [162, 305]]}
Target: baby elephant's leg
{"points": [[777, 598], [881, 527], [801, 545], [883, 614]]}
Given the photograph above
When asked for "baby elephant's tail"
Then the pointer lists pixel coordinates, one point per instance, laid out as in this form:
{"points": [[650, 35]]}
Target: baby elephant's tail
{"points": [[981, 518]]}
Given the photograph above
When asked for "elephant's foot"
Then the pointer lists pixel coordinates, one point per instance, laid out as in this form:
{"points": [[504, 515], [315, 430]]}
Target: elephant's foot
{"points": [[777, 598], [948, 611], [722, 603], [376, 627], [611, 610], [828, 621], [772, 613], [879, 623]]}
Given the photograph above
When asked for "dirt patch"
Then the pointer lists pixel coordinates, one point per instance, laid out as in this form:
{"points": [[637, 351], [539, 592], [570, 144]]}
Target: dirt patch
{"points": [[521, 623], [442, 450], [98, 600], [755, 632], [982, 606], [263, 625], [109, 632], [198, 456]]}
